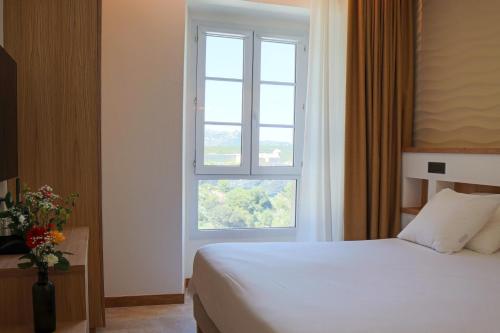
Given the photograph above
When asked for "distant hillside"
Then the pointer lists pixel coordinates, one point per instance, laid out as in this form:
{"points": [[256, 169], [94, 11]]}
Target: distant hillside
{"points": [[222, 138], [214, 138]]}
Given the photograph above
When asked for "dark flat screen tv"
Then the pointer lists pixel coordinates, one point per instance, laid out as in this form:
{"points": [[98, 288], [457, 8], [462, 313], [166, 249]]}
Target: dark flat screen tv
{"points": [[8, 116]]}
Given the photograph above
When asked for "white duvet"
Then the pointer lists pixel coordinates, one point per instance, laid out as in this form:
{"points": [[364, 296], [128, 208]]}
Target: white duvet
{"points": [[383, 286]]}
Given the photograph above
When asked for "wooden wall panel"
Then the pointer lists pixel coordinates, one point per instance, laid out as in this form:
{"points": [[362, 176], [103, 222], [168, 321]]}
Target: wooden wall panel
{"points": [[56, 44], [458, 74]]}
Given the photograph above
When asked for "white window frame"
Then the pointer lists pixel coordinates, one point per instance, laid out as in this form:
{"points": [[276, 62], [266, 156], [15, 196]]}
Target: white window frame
{"points": [[246, 36], [249, 168], [300, 100]]}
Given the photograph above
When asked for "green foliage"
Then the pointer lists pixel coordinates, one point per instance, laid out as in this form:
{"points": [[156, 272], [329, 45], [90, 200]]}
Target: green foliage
{"points": [[63, 264], [9, 202], [27, 264], [243, 204]]}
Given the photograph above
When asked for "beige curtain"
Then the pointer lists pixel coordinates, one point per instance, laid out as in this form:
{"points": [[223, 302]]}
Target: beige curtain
{"points": [[379, 114]]}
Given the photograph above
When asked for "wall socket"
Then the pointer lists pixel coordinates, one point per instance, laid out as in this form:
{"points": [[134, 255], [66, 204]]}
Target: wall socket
{"points": [[436, 167]]}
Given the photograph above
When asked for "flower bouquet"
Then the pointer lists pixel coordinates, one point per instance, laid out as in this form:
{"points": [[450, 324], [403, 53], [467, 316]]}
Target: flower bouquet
{"points": [[39, 219]]}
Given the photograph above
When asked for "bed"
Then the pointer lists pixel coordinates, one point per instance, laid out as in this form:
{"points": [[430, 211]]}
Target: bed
{"points": [[379, 286], [389, 286]]}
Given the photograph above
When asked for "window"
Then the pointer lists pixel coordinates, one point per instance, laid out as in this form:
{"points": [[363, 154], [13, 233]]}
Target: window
{"points": [[250, 95]]}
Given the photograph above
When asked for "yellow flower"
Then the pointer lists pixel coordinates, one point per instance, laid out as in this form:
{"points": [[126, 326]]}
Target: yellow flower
{"points": [[57, 236]]}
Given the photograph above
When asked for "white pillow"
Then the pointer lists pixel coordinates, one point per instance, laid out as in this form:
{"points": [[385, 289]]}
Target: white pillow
{"points": [[487, 241], [450, 220]]}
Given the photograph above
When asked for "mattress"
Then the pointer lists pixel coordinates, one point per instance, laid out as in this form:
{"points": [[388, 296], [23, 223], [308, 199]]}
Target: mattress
{"points": [[382, 286]]}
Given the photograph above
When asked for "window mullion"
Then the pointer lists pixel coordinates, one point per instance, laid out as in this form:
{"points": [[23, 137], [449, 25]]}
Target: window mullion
{"points": [[247, 104], [256, 103]]}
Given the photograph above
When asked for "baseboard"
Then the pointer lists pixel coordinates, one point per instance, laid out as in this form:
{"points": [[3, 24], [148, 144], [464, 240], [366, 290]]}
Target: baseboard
{"points": [[127, 301]]}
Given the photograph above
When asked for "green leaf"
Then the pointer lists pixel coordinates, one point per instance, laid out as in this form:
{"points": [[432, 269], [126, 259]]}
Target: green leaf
{"points": [[25, 265], [62, 265], [28, 256], [64, 260], [8, 200]]}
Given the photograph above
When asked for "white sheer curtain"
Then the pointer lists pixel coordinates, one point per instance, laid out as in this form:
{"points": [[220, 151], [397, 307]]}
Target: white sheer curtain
{"points": [[322, 191]]}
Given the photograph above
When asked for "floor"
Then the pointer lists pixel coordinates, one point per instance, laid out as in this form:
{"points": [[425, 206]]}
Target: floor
{"points": [[151, 319]]}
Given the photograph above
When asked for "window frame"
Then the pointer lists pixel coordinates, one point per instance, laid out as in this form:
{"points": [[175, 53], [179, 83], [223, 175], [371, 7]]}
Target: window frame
{"points": [[246, 113], [195, 135], [299, 104]]}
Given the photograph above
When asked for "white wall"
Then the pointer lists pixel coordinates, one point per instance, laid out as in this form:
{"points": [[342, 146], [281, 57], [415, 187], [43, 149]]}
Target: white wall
{"points": [[265, 10], [142, 103], [290, 20]]}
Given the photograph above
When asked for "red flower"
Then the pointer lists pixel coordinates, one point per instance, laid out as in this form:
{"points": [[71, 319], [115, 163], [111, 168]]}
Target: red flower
{"points": [[35, 237], [46, 191], [51, 226]]}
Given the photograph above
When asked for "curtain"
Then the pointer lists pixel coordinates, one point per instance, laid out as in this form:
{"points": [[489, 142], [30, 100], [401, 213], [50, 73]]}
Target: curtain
{"points": [[379, 116], [321, 192]]}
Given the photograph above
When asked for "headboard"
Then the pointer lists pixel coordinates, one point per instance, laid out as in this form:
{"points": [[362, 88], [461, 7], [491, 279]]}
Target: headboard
{"points": [[425, 174]]}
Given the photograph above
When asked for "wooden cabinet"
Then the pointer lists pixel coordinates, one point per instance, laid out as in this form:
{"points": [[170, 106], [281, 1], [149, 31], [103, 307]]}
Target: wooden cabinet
{"points": [[71, 289]]}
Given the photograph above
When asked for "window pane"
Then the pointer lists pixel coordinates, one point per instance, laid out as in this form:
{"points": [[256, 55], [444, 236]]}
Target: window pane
{"points": [[278, 62], [276, 146], [224, 57], [239, 204], [223, 101], [277, 104], [222, 145]]}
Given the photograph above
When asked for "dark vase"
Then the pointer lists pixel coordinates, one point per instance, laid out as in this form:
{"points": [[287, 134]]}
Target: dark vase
{"points": [[44, 304]]}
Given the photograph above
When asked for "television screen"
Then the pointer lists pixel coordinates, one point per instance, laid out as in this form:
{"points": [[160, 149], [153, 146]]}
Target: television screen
{"points": [[8, 116]]}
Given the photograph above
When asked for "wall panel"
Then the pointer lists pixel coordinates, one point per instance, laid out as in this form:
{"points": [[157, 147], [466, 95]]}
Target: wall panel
{"points": [[56, 44], [458, 74]]}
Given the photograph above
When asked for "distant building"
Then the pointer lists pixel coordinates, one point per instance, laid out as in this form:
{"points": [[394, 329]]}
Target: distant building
{"points": [[269, 158]]}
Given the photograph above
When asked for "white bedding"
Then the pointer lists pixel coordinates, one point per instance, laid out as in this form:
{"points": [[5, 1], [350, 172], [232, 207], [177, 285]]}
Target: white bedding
{"points": [[383, 286]]}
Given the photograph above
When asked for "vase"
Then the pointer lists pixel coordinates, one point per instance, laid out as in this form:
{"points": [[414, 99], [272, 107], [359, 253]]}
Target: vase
{"points": [[44, 303]]}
